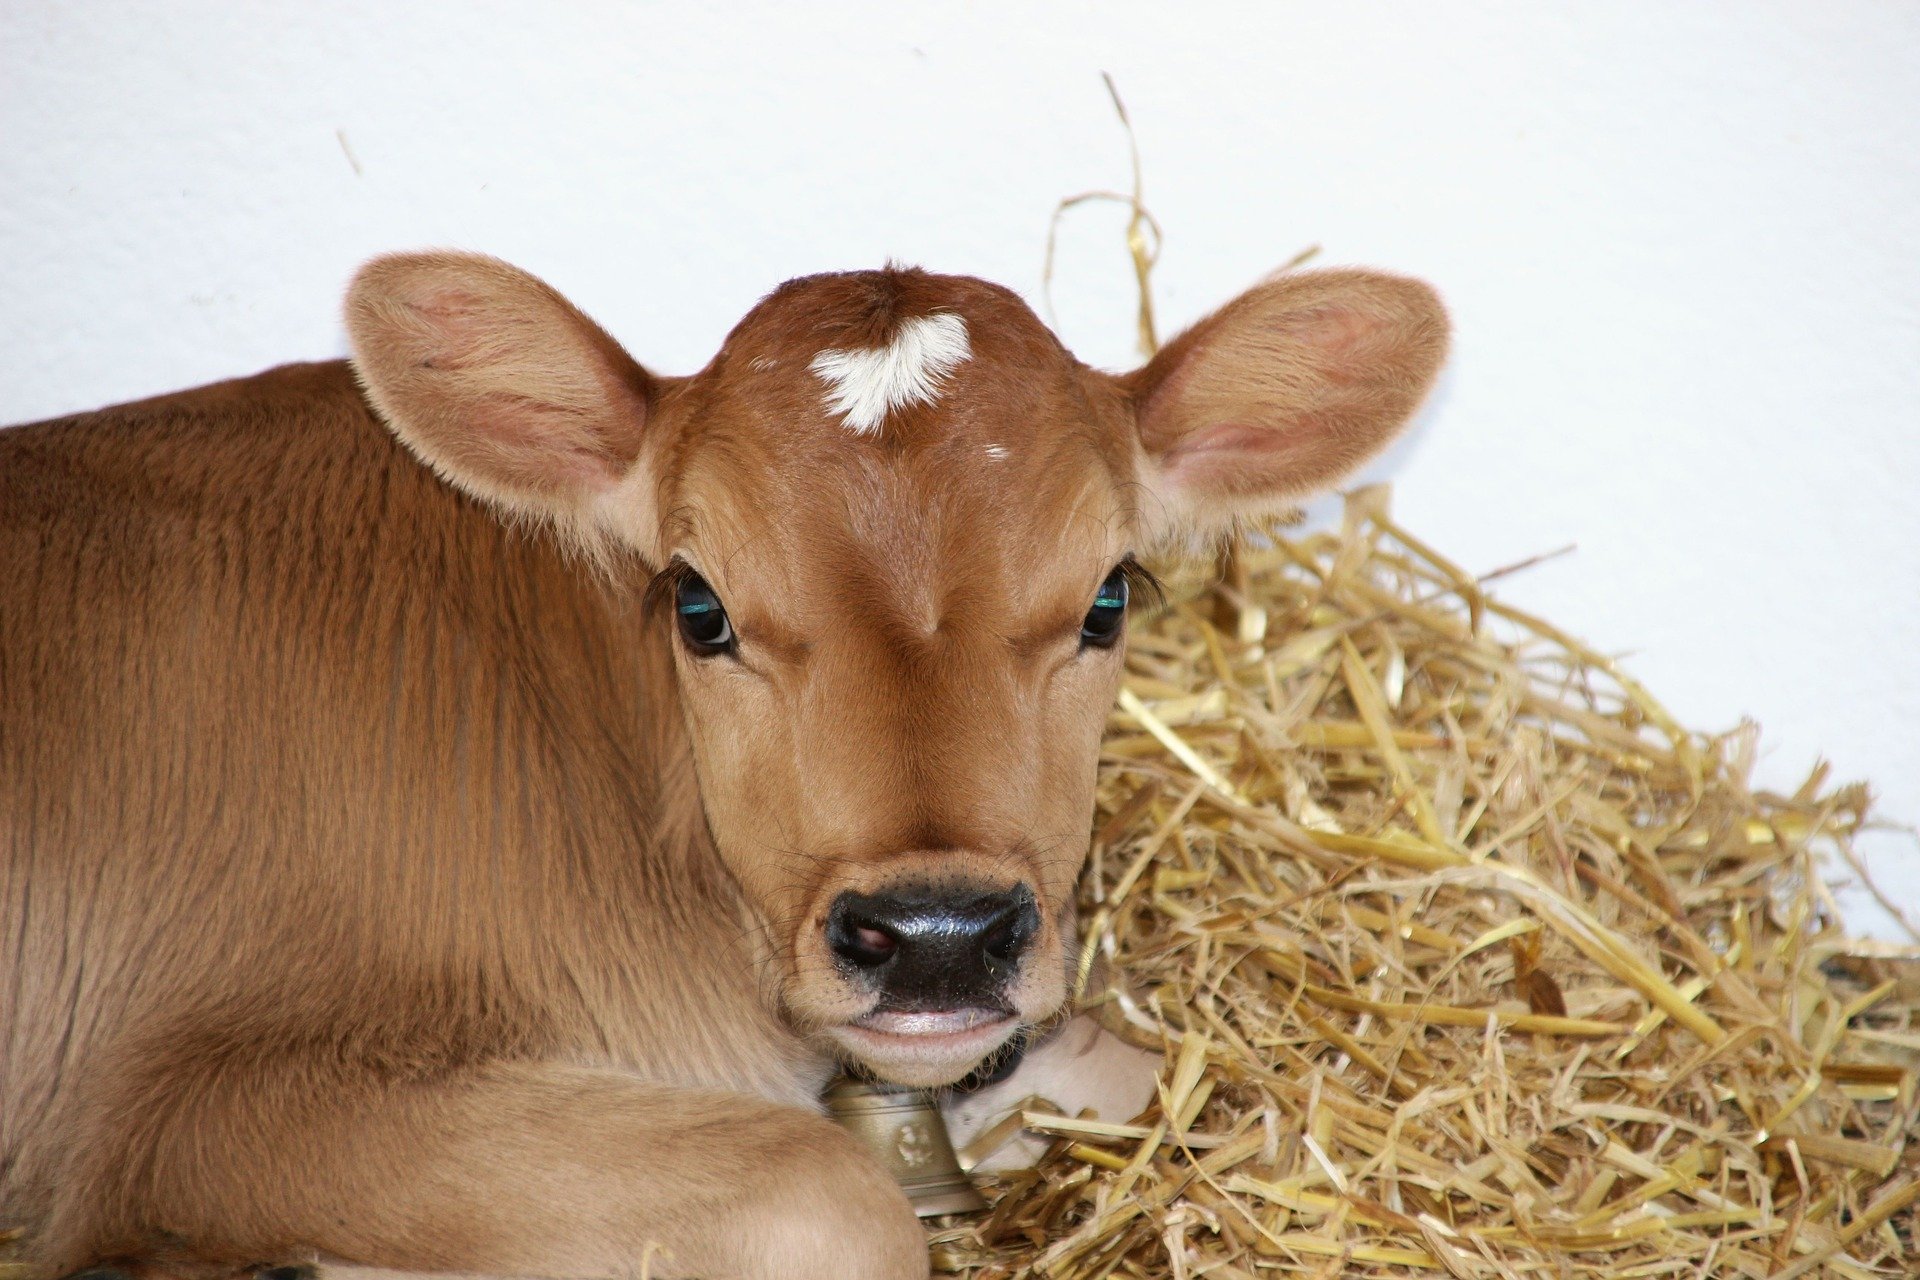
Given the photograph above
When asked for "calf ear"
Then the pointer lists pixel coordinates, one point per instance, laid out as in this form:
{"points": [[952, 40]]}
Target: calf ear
{"points": [[1280, 393], [502, 386]]}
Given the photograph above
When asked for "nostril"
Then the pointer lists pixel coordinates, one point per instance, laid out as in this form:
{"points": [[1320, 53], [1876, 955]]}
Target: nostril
{"points": [[870, 946], [858, 938], [1000, 953], [1007, 935]]}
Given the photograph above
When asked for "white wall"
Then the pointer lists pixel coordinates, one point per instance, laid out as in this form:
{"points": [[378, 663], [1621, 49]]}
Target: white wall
{"points": [[1679, 241]]}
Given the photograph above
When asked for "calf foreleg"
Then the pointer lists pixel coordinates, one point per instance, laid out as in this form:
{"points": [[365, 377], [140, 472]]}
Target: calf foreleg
{"points": [[514, 1169]]}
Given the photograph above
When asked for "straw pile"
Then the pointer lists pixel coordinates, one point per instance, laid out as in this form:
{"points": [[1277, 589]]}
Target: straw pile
{"points": [[1466, 960]]}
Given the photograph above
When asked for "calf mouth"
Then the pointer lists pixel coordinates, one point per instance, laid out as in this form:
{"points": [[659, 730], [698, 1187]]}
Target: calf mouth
{"points": [[926, 1047]]}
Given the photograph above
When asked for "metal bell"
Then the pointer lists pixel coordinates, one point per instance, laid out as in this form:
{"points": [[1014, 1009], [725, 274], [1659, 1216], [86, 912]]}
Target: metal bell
{"points": [[905, 1131]]}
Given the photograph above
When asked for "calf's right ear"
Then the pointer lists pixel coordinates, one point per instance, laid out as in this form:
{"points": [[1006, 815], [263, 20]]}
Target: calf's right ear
{"points": [[1281, 394], [507, 390]]}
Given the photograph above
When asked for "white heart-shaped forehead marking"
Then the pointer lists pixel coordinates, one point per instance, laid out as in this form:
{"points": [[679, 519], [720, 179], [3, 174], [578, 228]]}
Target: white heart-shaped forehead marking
{"points": [[863, 387]]}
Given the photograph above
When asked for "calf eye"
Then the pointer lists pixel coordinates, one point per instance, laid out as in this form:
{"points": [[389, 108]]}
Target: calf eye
{"points": [[703, 619], [1109, 612]]}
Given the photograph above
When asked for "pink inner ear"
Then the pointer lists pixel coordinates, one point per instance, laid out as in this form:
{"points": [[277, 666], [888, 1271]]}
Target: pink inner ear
{"points": [[539, 447], [1247, 458], [530, 404], [1227, 437], [1342, 336], [451, 324]]}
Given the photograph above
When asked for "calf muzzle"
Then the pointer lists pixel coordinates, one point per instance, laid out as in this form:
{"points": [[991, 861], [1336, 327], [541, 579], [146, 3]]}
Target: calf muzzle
{"points": [[927, 949]]}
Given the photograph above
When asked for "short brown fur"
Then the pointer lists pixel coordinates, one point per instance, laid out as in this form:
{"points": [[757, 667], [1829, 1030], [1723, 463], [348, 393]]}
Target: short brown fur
{"points": [[382, 884]]}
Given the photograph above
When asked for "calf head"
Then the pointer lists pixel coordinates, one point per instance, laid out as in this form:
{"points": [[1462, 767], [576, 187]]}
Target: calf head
{"points": [[896, 527]]}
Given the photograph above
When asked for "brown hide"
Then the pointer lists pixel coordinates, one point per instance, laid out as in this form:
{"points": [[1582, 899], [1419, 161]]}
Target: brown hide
{"points": [[305, 759]]}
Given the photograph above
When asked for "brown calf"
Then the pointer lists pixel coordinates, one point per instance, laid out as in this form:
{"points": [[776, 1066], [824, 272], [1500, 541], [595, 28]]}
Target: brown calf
{"points": [[481, 866]]}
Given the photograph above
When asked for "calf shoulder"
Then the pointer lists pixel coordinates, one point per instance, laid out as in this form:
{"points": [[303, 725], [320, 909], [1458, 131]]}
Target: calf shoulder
{"points": [[302, 753]]}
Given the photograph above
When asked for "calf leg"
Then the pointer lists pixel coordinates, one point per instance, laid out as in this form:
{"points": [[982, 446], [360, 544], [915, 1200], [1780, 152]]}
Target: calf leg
{"points": [[515, 1169]]}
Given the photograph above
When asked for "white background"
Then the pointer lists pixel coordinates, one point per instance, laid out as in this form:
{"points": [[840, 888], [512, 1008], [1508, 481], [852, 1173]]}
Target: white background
{"points": [[1679, 242]]}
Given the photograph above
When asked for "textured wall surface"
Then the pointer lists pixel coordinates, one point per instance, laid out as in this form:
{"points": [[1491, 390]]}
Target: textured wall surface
{"points": [[1679, 242]]}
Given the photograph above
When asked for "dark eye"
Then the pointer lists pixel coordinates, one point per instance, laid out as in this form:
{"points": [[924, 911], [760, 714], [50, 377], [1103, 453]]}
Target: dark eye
{"points": [[703, 619], [1109, 612]]}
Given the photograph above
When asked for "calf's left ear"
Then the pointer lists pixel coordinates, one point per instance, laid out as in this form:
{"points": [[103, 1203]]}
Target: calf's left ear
{"points": [[503, 387], [1280, 394]]}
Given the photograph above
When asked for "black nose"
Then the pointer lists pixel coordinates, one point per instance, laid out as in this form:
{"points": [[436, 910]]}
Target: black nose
{"points": [[929, 948]]}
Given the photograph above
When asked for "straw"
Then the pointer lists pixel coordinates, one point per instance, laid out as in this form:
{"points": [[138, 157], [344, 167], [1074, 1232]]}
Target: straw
{"points": [[1466, 959]]}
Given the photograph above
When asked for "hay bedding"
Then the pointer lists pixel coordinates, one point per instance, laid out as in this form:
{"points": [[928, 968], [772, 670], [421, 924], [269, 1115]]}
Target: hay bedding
{"points": [[1466, 960]]}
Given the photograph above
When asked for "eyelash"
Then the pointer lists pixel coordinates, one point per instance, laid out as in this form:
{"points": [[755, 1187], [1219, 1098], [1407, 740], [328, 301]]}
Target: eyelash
{"points": [[1142, 586], [664, 585]]}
